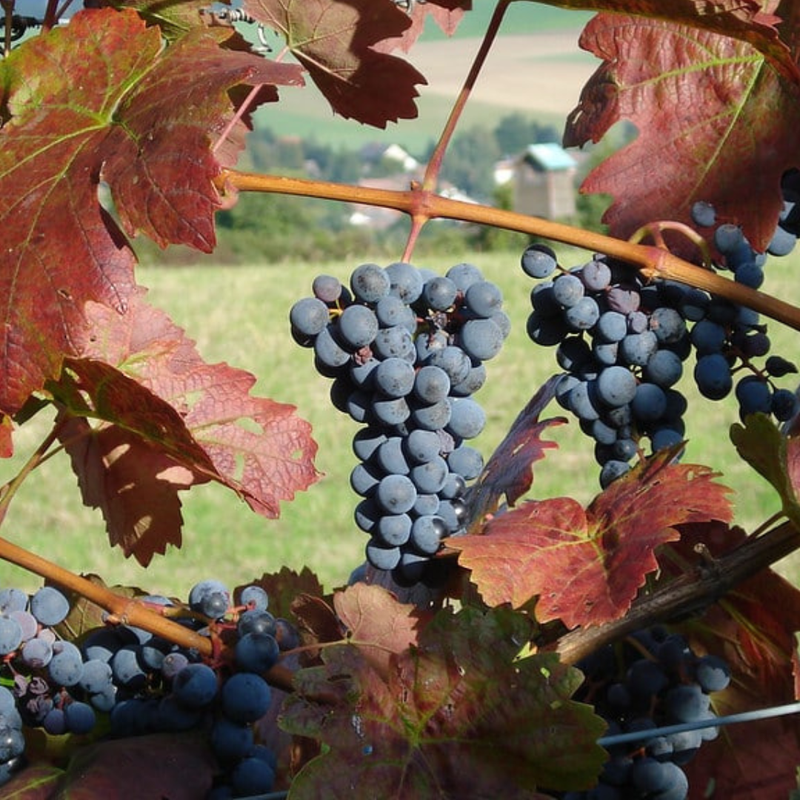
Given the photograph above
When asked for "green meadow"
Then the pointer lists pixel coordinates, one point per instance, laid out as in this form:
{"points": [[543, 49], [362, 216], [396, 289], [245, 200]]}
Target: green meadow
{"points": [[239, 315]]}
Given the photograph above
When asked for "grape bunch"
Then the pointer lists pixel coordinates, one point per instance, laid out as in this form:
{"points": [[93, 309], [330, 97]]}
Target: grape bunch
{"points": [[622, 344], [405, 349], [651, 681], [142, 683]]}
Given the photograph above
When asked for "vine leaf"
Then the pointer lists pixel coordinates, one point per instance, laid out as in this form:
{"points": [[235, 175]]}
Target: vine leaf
{"points": [[98, 770], [377, 623], [774, 456], [171, 421], [335, 41], [283, 587], [127, 122], [748, 20], [586, 566], [38, 781], [753, 628], [509, 470], [446, 13], [688, 91], [456, 716]]}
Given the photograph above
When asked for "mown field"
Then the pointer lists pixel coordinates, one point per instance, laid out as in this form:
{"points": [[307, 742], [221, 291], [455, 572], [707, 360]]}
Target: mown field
{"points": [[239, 315]]}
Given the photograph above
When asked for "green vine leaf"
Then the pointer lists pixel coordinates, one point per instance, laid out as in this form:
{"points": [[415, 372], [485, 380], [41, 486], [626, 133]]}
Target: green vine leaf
{"points": [[335, 41], [127, 122], [457, 716], [689, 92], [774, 456], [586, 566]]}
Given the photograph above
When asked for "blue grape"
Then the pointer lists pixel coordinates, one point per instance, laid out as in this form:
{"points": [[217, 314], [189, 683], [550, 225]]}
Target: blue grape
{"points": [[327, 288], [616, 386], [245, 697], [256, 652], [10, 635], [394, 377], [369, 283], [713, 376], [467, 418], [49, 606], [440, 293], [357, 326], [568, 290], [255, 597], [483, 298], [195, 686], [481, 339], [309, 316], [405, 281], [79, 717], [539, 261]]}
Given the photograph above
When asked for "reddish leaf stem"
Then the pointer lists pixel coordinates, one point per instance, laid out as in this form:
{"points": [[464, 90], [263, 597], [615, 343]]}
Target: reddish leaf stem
{"points": [[430, 181], [421, 203]]}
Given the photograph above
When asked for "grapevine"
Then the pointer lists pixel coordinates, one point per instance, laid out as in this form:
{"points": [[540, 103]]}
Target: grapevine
{"points": [[493, 642]]}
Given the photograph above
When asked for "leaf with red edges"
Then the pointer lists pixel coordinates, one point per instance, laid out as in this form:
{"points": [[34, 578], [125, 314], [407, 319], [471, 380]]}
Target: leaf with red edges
{"points": [[335, 41], [187, 421], [128, 122], [751, 21], [457, 716], [133, 483], [377, 623], [688, 91], [587, 566], [509, 471], [446, 13]]}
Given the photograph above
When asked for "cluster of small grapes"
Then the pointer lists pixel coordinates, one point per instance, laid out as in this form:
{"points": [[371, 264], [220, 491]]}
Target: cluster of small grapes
{"points": [[724, 343], [47, 673], [405, 349], [622, 345], [145, 683], [652, 681]]}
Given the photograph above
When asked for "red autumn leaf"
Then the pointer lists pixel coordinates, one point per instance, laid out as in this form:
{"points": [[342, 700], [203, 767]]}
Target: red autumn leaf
{"points": [[335, 41], [377, 623], [687, 91], [134, 484], [187, 421], [752, 21], [178, 767], [446, 13], [509, 471], [587, 566], [128, 122], [753, 628], [457, 716]]}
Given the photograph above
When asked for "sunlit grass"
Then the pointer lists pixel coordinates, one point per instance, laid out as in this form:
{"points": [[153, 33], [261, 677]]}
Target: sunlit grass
{"points": [[239, 315]]}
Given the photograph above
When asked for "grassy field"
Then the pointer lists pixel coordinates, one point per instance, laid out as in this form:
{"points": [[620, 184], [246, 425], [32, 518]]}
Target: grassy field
{"points": [[239, 315]]}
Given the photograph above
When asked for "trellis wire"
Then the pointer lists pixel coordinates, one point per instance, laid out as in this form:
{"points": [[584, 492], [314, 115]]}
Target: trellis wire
{"points": [[711, 722]]}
